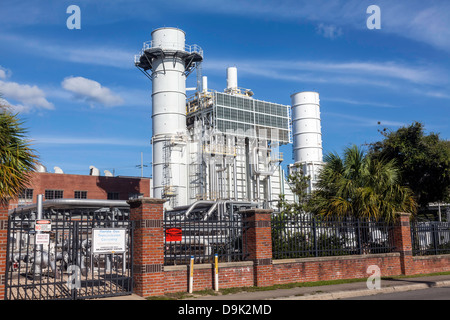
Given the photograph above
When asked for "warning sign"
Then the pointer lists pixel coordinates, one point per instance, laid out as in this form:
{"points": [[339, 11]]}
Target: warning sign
{"points": [[43, 225], [173, 234], [43, 238]]}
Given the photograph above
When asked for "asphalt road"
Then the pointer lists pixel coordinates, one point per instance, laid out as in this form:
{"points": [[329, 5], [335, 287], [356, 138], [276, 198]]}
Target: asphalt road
{"points": [[440, 293]]}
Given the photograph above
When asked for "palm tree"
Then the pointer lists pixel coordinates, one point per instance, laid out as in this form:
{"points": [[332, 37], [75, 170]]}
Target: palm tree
{"points": [[360, 186], [17, 159]]}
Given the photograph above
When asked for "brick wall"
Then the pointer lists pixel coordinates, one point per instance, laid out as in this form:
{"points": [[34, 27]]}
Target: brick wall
{"points": [[260, 269], [333, 268], [231, 275]]}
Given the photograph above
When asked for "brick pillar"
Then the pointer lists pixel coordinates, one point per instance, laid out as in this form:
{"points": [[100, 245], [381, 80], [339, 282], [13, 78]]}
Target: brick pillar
{"points": [[148, 246], [3, 246], [402, 238], [258, 244]]}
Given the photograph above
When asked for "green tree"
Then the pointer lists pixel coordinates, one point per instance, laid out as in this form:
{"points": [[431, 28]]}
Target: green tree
{"points": [[361, 186], [298, 183], [423, 160], [17, 159]]}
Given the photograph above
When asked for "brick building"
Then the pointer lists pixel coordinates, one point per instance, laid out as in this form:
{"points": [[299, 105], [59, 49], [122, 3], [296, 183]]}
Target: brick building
{"points": [[75, 186]]}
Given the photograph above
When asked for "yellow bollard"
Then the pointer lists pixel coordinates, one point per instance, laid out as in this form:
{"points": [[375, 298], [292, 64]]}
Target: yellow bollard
{"points": [[216, 272], [191, 276]]}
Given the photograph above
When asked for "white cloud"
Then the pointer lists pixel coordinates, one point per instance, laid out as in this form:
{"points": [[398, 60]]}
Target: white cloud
{"points": [[351, 72], [29, 97], [14, 108], [91, 91], [360, 103], [112, 57], [5, 73], [86, 54]]}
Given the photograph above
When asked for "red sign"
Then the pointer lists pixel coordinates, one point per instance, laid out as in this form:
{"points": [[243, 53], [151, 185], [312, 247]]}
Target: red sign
{"points": [[173, 234]]}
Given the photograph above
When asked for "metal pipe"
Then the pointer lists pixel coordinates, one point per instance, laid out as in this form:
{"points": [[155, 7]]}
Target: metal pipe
{"points": [[65, 203], [39, 207], [223, 204], [211, 210], [235, 179], [38, 254], [195, 204]]}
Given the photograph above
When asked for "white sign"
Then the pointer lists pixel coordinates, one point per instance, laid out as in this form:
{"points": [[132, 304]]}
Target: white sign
{"points": [[108, 241], [43, 238], [43, 225]]}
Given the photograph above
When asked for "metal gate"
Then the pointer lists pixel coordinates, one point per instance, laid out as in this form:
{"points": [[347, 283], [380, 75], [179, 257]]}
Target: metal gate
{"points": [[51, 254]]}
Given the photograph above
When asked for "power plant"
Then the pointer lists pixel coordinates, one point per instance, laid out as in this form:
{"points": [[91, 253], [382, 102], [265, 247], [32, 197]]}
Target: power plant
{"points": [[213, 150]]}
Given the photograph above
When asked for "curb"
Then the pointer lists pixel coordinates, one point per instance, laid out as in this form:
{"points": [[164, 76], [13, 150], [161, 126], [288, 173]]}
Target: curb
{"points": [[366, 292]]}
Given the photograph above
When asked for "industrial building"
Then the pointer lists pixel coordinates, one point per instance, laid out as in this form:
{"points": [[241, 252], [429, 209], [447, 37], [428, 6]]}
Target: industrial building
{"points": [[221, 147], [60, 185]]}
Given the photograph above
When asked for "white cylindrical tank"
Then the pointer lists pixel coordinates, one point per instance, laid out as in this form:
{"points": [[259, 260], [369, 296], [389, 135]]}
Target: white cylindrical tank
{"points": [[204, 83], [306, 129], [232, 78], [169, 39]]}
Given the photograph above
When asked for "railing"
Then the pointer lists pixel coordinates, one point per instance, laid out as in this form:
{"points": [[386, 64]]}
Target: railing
{"points": [[202, 240], [194, 48], [304, 236], [430, 237]]}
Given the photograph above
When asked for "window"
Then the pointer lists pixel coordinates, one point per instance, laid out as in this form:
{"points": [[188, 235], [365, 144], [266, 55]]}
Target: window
{"points": [[80, 195], [113, 196], [26, 194], [25, 197], [53, 194]]}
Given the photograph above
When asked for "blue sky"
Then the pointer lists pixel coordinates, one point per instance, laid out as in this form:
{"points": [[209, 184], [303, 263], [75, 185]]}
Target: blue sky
{"points": [[85, 103]]}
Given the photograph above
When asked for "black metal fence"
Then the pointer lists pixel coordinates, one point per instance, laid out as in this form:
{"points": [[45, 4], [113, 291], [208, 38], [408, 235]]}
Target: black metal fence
{"points": [[59, 263], [203, 239], [430, 237], [307, 236]]}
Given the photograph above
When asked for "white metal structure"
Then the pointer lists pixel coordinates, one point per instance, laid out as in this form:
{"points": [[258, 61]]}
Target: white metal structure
{"points": [[214, 147], [233, 146], [307, 133], [170, 62]]}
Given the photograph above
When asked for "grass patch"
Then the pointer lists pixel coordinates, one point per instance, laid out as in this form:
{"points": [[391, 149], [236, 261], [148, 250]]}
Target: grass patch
{"points": [[290, 286]]}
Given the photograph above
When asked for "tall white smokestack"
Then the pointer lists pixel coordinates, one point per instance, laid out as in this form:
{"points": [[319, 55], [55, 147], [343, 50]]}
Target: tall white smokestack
{"points": [[170, 60]]}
